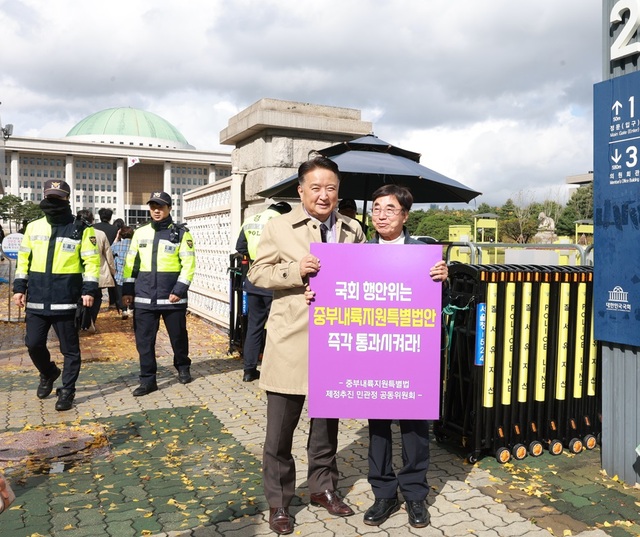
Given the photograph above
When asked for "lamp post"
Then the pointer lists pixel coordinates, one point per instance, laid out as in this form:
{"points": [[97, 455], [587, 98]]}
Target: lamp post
{"points": [[7, 131]]}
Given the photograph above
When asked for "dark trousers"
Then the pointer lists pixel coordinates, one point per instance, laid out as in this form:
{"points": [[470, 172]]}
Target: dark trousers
{"points": [[118, 302], [97, 304], [279, 468], [259, 306], [113, 297], [146, 324], [412, 477], [36, 341]]}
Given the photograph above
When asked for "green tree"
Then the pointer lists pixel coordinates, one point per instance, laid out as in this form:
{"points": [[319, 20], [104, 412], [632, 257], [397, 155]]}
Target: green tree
{"points": [[30, 211], [414, 221], [436, 222], [13, 209], [517, 230], [485, 208], [579, 207], [10, 210], [508, 210]]}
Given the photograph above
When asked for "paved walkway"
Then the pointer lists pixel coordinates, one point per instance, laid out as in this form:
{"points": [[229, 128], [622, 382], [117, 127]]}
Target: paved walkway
{"points": [[186, 460]]}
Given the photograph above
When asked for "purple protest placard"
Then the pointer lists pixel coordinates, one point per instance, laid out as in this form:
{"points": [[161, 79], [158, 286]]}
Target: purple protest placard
{"points": [[374, 332]]}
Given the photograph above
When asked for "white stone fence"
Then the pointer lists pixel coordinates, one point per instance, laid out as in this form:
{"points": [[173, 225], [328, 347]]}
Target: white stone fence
{"points": [[213, 215]]}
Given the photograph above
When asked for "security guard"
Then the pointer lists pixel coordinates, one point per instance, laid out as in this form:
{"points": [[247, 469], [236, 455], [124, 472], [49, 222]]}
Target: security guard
{"points": [[158, 270], [258, 299], [58, 264]]}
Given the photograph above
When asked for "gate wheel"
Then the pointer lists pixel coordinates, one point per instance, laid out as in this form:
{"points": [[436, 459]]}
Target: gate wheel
{"points": [[590, 441], [503, 455], [535, 448], [555, 447], [575, 445], [519, 452]]}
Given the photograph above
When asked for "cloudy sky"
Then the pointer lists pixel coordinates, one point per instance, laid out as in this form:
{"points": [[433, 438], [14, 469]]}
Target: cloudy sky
{"points": [[496, 94]]}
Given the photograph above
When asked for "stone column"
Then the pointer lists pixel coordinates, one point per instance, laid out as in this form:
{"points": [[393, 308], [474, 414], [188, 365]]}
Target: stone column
{"points": [[121, 190], [15, 173], [272, 138], [70, 178]]}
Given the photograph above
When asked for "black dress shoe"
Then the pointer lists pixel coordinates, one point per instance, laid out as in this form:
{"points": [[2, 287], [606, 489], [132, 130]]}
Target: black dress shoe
{"points": [[184, 375], [418, 514], [332, 503], [46, 384], [65, 398], [381, 509], [250, 375], [280, 520], [145, 389]]}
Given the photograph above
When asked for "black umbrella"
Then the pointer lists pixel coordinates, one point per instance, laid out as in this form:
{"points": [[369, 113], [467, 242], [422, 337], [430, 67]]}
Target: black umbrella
{"points": [[368, 163]]}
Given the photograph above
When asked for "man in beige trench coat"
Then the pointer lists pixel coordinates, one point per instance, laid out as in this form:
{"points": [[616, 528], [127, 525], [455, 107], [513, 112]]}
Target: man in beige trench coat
{"points": [[284, 265]]}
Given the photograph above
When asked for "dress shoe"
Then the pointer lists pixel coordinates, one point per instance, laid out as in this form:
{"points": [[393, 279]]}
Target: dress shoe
{"points": [[184, 375], [332, 503], [145, 389], [250, 375], [65, 398], [381, 509], [418, 514], [46, 384], [280, 520]]}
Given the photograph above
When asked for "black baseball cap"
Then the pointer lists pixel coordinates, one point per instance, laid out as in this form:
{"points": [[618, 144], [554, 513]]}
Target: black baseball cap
{"points": [[282, 207], [161, 198], [58, 188], [347, 203]]}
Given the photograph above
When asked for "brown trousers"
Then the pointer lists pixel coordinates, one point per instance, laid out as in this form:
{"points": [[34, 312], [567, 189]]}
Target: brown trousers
{"points": [[278, 467]]}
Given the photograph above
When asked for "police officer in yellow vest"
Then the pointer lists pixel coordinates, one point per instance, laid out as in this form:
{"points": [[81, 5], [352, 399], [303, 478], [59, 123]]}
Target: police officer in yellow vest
{"points": [[258, 299], [158, 271], [58, 265]]}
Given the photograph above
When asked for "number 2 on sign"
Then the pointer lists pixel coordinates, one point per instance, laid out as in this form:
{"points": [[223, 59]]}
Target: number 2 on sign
{"points": [[621, 46]]}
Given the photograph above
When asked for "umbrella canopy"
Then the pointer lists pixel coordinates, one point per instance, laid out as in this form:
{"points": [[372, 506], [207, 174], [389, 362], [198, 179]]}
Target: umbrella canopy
{"points": [[368, 163]]}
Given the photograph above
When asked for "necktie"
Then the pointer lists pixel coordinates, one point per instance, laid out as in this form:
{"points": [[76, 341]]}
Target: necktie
{"points": [[323, 232]]}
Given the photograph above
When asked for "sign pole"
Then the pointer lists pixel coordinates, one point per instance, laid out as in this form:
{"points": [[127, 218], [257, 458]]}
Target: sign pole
{"points": [[10, 248]]}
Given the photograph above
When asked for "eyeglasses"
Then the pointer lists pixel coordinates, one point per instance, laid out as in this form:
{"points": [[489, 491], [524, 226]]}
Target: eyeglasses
{"points": [[388, 211]]}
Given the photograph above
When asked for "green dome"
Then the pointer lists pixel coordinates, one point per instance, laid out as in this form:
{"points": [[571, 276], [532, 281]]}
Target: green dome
{"points": [[129, 126]]}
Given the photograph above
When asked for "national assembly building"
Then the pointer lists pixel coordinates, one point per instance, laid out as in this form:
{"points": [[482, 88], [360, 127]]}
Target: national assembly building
{"points": [[114, 159]]}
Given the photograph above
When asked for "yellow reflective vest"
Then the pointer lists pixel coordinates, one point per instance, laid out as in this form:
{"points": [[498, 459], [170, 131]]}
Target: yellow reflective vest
{"points": [[161, 261], [56, 265], [252, 228]]}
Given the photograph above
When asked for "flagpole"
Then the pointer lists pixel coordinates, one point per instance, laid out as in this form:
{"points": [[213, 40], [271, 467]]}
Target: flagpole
{"points": [[126, 196]]}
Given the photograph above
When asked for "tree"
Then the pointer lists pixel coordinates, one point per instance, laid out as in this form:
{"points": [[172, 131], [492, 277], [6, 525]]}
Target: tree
{"points": [[579, 207], [414, 221], [485, 208], [522, 214], [10, 210], [436, 222], [13, 209], [30, 211]]}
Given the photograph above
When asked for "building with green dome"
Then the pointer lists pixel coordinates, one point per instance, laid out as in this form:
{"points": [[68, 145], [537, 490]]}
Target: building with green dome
{"points": [[114, 158]]}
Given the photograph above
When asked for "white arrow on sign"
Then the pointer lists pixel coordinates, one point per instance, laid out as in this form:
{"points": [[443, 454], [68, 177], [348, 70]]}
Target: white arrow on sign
{"points": [[616, 107], [616, 156]]}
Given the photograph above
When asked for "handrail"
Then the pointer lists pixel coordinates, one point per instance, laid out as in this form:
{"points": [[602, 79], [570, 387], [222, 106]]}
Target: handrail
{"points": [[476, 249]]}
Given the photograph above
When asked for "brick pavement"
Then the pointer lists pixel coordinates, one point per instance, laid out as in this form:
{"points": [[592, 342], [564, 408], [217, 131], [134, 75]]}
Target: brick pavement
{"points": [[185, 461]]}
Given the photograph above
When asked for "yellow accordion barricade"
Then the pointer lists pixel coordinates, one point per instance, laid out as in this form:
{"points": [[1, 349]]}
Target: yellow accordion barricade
{"points": [[521, 370]]}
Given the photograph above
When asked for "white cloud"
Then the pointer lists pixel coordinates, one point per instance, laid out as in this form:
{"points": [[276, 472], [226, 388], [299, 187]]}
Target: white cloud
{"points": [[495, 94]]}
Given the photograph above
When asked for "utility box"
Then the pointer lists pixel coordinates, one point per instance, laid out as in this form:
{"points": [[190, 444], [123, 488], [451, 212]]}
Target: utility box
{"points": [[460, 233]]}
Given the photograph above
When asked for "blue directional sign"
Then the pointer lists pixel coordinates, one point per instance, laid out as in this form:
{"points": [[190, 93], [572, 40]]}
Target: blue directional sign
{"points": [[616, 204]]}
